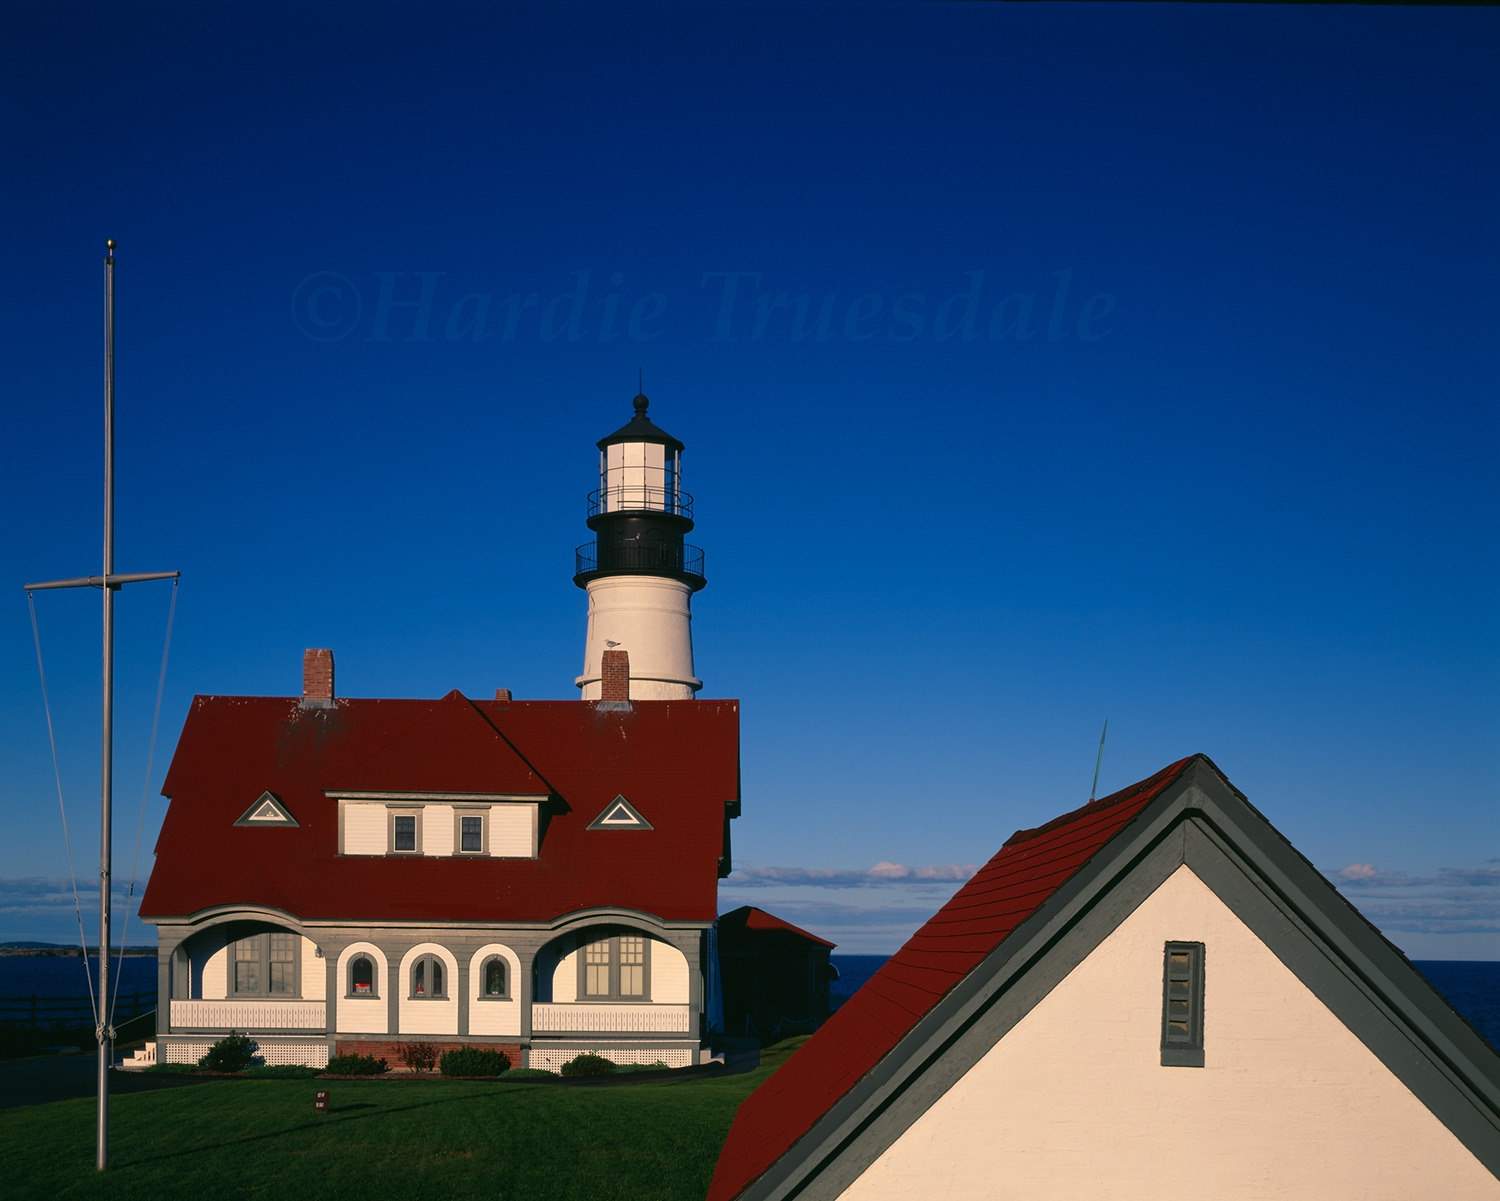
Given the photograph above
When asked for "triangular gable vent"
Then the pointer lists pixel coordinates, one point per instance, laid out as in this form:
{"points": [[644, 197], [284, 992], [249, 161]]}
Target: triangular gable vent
{"points": [[620, 814], [267, 811]]}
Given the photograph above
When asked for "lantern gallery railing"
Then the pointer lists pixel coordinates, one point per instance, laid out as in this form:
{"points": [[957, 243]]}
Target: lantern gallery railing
{"points": [[643, 558], [625, 498], [249, 1015], [611, 1019]]}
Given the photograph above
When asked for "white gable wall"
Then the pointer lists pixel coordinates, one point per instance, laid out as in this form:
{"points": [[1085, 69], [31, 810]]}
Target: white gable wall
{"points": [[1073, 1101]]}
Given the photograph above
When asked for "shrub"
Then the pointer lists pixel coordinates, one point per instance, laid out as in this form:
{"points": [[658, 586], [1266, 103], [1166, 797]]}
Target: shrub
{"points": [[473, 1061], [232, 1054], [419, 1057], [588, 1064], [282, 1071], [355, 1065]]}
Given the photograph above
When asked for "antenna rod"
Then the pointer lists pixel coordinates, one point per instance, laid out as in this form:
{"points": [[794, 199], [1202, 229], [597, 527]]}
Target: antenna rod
{"points": [[1099, 762], [103, 1031]]}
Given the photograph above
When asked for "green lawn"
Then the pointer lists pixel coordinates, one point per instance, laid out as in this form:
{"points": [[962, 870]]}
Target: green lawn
{"points": [[383, 1139]]}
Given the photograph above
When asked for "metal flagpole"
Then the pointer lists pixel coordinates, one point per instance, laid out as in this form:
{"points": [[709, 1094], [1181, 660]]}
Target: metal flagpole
{"points": [[110, 583], [105, 1031]]}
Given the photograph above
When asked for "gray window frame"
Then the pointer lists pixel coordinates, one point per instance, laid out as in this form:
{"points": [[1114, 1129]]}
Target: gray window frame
{"points": [[374, 992], [484, 831], [390, 829], [615, 997], [411, 978], [264, 992], [484, 968], [1178, 1051]]}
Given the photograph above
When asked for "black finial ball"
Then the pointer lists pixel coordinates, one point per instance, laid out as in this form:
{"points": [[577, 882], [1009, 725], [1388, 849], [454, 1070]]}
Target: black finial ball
{"points": [[109, 244], [640, 405]]}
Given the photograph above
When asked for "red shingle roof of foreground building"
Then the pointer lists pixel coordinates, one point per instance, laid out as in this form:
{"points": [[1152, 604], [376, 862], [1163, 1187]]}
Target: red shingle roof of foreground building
{"points": [[677, 762], [1026, 871]]}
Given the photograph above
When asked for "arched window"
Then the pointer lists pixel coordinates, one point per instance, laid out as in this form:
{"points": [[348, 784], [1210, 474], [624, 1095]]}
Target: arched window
{"points": [[428, 981], [362, 977], [494, 979]]}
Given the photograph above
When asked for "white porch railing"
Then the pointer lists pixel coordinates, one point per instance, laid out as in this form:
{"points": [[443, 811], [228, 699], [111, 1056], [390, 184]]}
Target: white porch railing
{"points": [[610, 1019], [249, 1015]]}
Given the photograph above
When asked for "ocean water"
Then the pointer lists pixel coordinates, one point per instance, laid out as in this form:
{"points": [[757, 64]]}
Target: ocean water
{"points": [[1471, 986], [62, 990]]}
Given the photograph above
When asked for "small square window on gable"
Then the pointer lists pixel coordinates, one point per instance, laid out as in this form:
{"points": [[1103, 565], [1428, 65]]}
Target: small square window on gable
{"points": [[1182, 1005], [620, 814], [267, 810]]}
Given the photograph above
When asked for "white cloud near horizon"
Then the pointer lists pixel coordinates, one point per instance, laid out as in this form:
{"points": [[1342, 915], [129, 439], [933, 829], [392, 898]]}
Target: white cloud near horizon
{"points": [[882, 875], [1455, 901]]}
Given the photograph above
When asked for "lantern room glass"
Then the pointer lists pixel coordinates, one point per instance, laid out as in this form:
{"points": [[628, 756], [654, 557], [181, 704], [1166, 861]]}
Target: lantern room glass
{"points": [[636, 476]]}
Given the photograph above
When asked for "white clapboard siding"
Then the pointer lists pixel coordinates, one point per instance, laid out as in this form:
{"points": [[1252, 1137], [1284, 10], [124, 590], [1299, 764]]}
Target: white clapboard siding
{"points": [[314, 973], [364, 829], [611, 1019], [437, 829], [565, 978], [249, 1015], [216, 974], [669, 975], [364, 1015], [513, 831]]}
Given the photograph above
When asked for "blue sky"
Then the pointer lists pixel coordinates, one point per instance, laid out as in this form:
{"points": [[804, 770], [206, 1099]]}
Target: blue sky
{"points": [[1037, 364]]}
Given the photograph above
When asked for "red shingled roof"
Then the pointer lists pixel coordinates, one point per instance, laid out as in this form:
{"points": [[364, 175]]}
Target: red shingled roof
{"points": [[677, 762], [748, 917], [1028, 869]]}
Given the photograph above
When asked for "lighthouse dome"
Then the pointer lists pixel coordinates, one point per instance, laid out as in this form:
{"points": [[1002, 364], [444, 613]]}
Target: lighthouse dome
{"points": [[641, 428]]}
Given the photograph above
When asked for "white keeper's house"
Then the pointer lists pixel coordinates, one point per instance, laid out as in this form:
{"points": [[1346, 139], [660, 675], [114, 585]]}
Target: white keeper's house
{"points": [[343, 874]]}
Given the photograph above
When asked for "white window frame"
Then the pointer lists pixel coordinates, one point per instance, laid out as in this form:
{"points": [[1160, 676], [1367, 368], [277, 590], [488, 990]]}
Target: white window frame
{"points": [[483, 814]]}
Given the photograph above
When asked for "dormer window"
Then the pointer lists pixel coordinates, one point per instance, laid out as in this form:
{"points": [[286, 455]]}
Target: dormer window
{"points": [[406, 832], [471, 832]]}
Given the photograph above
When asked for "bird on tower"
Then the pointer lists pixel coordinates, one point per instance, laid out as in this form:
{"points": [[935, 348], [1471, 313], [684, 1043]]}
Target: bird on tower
{"points": [[638, 572]]}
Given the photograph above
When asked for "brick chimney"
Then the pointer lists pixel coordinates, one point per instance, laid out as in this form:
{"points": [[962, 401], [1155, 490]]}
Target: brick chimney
{"points": [[317, 679], [614, 682], [502, 696]]}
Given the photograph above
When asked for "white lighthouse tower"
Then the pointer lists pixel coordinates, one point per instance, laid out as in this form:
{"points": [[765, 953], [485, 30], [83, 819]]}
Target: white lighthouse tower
{"points": [[639, 575]]}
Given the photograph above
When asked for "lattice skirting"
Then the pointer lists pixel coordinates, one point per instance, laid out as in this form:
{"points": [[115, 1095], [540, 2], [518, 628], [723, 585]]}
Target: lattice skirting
{"points": [[552, 1059], [312, 1055]]}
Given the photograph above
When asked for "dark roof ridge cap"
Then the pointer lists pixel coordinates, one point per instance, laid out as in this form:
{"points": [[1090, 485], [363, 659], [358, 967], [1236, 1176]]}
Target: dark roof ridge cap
{"points": [[1115, 798]]}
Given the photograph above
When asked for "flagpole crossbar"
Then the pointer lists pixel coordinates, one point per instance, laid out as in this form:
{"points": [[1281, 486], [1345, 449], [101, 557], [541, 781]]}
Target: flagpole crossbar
{"points": [[99, 581]]}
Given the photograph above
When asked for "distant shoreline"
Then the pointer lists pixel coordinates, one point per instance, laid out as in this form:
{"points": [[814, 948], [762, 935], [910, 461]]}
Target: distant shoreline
{"points": [[71, 952]]}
